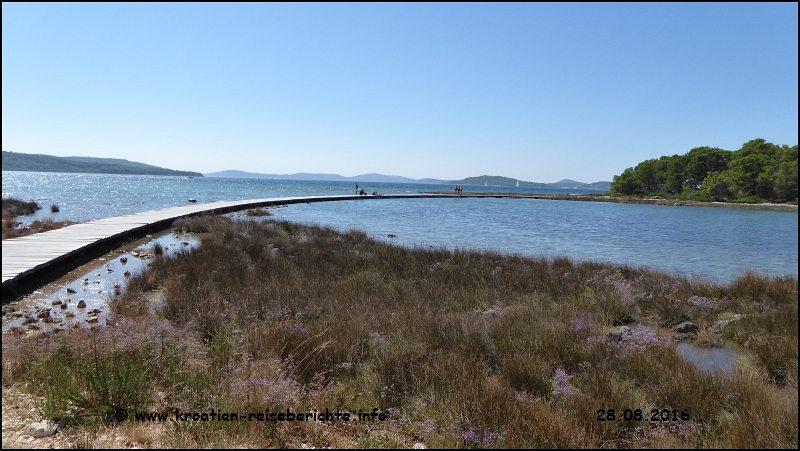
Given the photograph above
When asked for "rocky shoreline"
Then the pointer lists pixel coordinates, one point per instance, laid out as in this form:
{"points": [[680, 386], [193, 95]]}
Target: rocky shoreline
{"points": [[626, 200]]}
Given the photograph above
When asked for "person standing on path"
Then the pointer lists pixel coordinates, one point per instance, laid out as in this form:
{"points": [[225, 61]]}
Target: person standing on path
{"points": [[356, 188]]}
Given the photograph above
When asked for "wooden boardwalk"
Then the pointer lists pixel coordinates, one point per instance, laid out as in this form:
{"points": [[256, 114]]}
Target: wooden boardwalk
{"points": [[24, 257]]}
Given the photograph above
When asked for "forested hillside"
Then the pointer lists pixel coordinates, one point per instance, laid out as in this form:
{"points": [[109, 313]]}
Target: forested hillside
{"points": [[13, 161], [759, 171]]}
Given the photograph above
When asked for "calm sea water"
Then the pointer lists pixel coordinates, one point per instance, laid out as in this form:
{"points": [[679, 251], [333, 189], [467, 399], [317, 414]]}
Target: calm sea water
{"points": [[716, 243]]}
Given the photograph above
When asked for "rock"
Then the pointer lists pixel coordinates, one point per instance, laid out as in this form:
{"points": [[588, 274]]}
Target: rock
{"points": [[71, 291], [622, 334], [95, 311], [719, 325], [391, 235], [123, 260], [64, 306], [126, 274], [44, 428], [109, 270], [192, 200], [686, 328], [16, 330], [43, 313], [92, 320], [81, 304], [723, 323], [56, 302], [29, 320], [627, 319]]}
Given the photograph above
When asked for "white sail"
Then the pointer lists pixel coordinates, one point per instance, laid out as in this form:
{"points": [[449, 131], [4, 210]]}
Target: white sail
{"points": [[517, 182]]}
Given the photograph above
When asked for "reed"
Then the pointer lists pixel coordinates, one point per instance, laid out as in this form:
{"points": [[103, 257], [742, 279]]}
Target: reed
{"points": [[258, 212], [16, 207], [462, 348]]}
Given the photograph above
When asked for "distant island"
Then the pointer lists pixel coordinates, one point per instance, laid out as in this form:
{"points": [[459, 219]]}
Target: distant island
{"points": [[13, 161], [486, 180]]}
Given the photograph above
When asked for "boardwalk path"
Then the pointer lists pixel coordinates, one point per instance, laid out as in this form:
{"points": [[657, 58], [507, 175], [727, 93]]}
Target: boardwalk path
{"points": [[33, 260]]}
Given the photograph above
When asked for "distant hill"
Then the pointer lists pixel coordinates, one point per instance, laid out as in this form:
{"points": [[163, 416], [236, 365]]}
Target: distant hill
{"points": [[13, 161], [118, 161], [323, 177], [489, 180], [496, 180]]}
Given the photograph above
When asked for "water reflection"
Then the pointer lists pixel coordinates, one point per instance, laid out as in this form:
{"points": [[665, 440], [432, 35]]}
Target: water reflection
{"points": [[80, 299], [710, 360]]}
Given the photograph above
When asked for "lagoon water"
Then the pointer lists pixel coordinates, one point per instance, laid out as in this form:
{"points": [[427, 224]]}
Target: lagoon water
{"points": [[716, 243]]}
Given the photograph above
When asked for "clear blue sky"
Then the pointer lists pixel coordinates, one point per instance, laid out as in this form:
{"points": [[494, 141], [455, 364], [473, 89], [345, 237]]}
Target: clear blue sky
{"points": [[537, 92]]}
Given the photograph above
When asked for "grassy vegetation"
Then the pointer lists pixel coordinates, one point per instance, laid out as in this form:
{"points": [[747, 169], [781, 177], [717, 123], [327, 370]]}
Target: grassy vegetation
{"points": [[462, 349], [15, 207], [258, 212]]}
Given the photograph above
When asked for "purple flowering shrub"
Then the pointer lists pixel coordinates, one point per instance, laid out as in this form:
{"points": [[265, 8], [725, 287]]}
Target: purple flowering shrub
{"points": [[561, 386], [488, 439]]}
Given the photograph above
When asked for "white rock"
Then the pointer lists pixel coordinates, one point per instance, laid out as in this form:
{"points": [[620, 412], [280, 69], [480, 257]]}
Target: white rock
{"points": [[44, 428]]}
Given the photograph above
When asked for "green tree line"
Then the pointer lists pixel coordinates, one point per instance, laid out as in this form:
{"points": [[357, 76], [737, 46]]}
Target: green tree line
{"points": [[759, 171]]}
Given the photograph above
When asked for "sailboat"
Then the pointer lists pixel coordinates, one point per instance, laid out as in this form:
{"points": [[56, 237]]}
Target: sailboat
{"points": [[517, 183], [486, 183]]}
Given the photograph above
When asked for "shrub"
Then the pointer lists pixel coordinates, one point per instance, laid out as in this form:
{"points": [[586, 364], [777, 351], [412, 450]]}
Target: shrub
{"points": [[457, 345], [15, 207], [257, 212], [194, 224]]}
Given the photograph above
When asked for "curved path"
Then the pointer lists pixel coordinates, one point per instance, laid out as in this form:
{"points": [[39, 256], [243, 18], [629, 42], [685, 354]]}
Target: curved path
{"points": [[31, 261]]}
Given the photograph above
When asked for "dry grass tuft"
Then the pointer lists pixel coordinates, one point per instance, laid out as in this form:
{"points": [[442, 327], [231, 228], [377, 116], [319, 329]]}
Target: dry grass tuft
{"points": [[460, 348]]}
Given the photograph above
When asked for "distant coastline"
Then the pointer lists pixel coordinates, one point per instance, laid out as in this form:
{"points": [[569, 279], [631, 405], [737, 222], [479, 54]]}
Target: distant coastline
{"points": [[486, 180], [13, 161], [627, 200]]}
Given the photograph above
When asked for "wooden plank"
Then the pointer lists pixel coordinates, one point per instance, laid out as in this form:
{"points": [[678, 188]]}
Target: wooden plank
{"points": [[25, 255]]}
